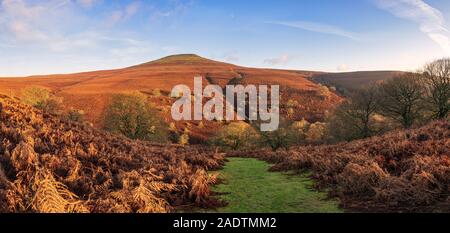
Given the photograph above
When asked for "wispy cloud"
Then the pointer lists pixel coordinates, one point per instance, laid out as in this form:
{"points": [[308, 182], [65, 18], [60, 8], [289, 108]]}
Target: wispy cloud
{"points": [[28, 22], [124, 14], [430, 20], [24, 23], [318, 27], [88, 3], [281, 60], [174, 8]]}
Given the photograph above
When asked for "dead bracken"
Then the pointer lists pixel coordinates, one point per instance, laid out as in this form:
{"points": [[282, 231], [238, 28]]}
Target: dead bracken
{"points": [[402, 171], [52, 165]]}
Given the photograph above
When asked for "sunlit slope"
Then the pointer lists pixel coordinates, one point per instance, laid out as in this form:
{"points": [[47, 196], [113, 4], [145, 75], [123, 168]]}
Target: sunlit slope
{"points": [[91, 91]]}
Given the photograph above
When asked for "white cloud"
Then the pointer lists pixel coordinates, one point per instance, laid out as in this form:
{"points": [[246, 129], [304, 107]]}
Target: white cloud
{"points": [[25, 21], [64, 31], [45, 26], [430, 20], [281, 60], [24, 32], [319, 27], [343, 67], [442, 40]]}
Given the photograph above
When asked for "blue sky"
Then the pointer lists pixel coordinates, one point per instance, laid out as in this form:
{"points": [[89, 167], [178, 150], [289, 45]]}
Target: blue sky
{"points": [[64, 36]]}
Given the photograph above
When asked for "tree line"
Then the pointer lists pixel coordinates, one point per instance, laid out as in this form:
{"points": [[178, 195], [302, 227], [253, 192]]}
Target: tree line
{"points": [[410, 99]]}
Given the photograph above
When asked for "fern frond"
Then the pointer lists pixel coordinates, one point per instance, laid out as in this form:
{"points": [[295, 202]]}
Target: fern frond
{"points": [[52, 196]]}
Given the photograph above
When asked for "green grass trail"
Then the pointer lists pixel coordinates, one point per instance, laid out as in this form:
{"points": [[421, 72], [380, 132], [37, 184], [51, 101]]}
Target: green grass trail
{"points": [[253, 189]]}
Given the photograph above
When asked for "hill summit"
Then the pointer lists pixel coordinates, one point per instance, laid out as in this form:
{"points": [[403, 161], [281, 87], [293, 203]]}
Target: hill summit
{"points": [[182, 59]]}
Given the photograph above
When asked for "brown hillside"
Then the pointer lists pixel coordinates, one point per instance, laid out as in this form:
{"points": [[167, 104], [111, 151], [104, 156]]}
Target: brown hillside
{"points": [[348, 81], [91, 91]]}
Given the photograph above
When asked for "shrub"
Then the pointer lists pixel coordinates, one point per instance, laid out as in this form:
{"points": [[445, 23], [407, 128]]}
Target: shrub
{"points": [[283, 137], [35, 96], [298, 131], [290, 112], [236, 135], [184, 138], [317, 133], [75, 115], [292, 103], [42, 99], [323, 91], [172, 127], [156, 92], [133, 116], [174, 136]]}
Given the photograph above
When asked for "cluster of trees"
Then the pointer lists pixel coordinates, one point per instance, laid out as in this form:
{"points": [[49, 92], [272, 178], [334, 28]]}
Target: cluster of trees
{"points": [[236, 136], [403, 101], [245, 136]]}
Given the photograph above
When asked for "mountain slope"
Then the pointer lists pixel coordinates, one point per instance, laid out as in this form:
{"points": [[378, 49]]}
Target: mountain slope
{"points": [[346, 82], [91, 91]]}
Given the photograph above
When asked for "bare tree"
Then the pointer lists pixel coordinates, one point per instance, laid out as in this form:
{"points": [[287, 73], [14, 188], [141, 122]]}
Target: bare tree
{"points": [[437, 83], [354, 118], [402, 97]]}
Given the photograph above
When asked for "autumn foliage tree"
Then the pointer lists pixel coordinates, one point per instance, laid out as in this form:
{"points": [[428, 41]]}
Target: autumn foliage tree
{"points": [[235, 136]]}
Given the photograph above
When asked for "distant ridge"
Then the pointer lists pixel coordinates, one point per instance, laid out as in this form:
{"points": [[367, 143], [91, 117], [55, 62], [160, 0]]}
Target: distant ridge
{"points": [[349, 81]]}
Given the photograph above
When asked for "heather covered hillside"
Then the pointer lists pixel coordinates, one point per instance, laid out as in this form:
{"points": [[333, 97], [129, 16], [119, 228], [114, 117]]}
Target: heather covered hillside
{"points": [[92, 91], [347, 82], [402, 171], [53, 165]]}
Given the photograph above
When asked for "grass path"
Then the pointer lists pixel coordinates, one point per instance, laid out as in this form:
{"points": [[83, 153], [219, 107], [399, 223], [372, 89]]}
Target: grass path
{"points": [[252, 189]]}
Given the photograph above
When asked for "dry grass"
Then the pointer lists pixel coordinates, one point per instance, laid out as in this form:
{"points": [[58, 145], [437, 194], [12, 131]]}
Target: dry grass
{"points": [[51, 196], [52, 165]]}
